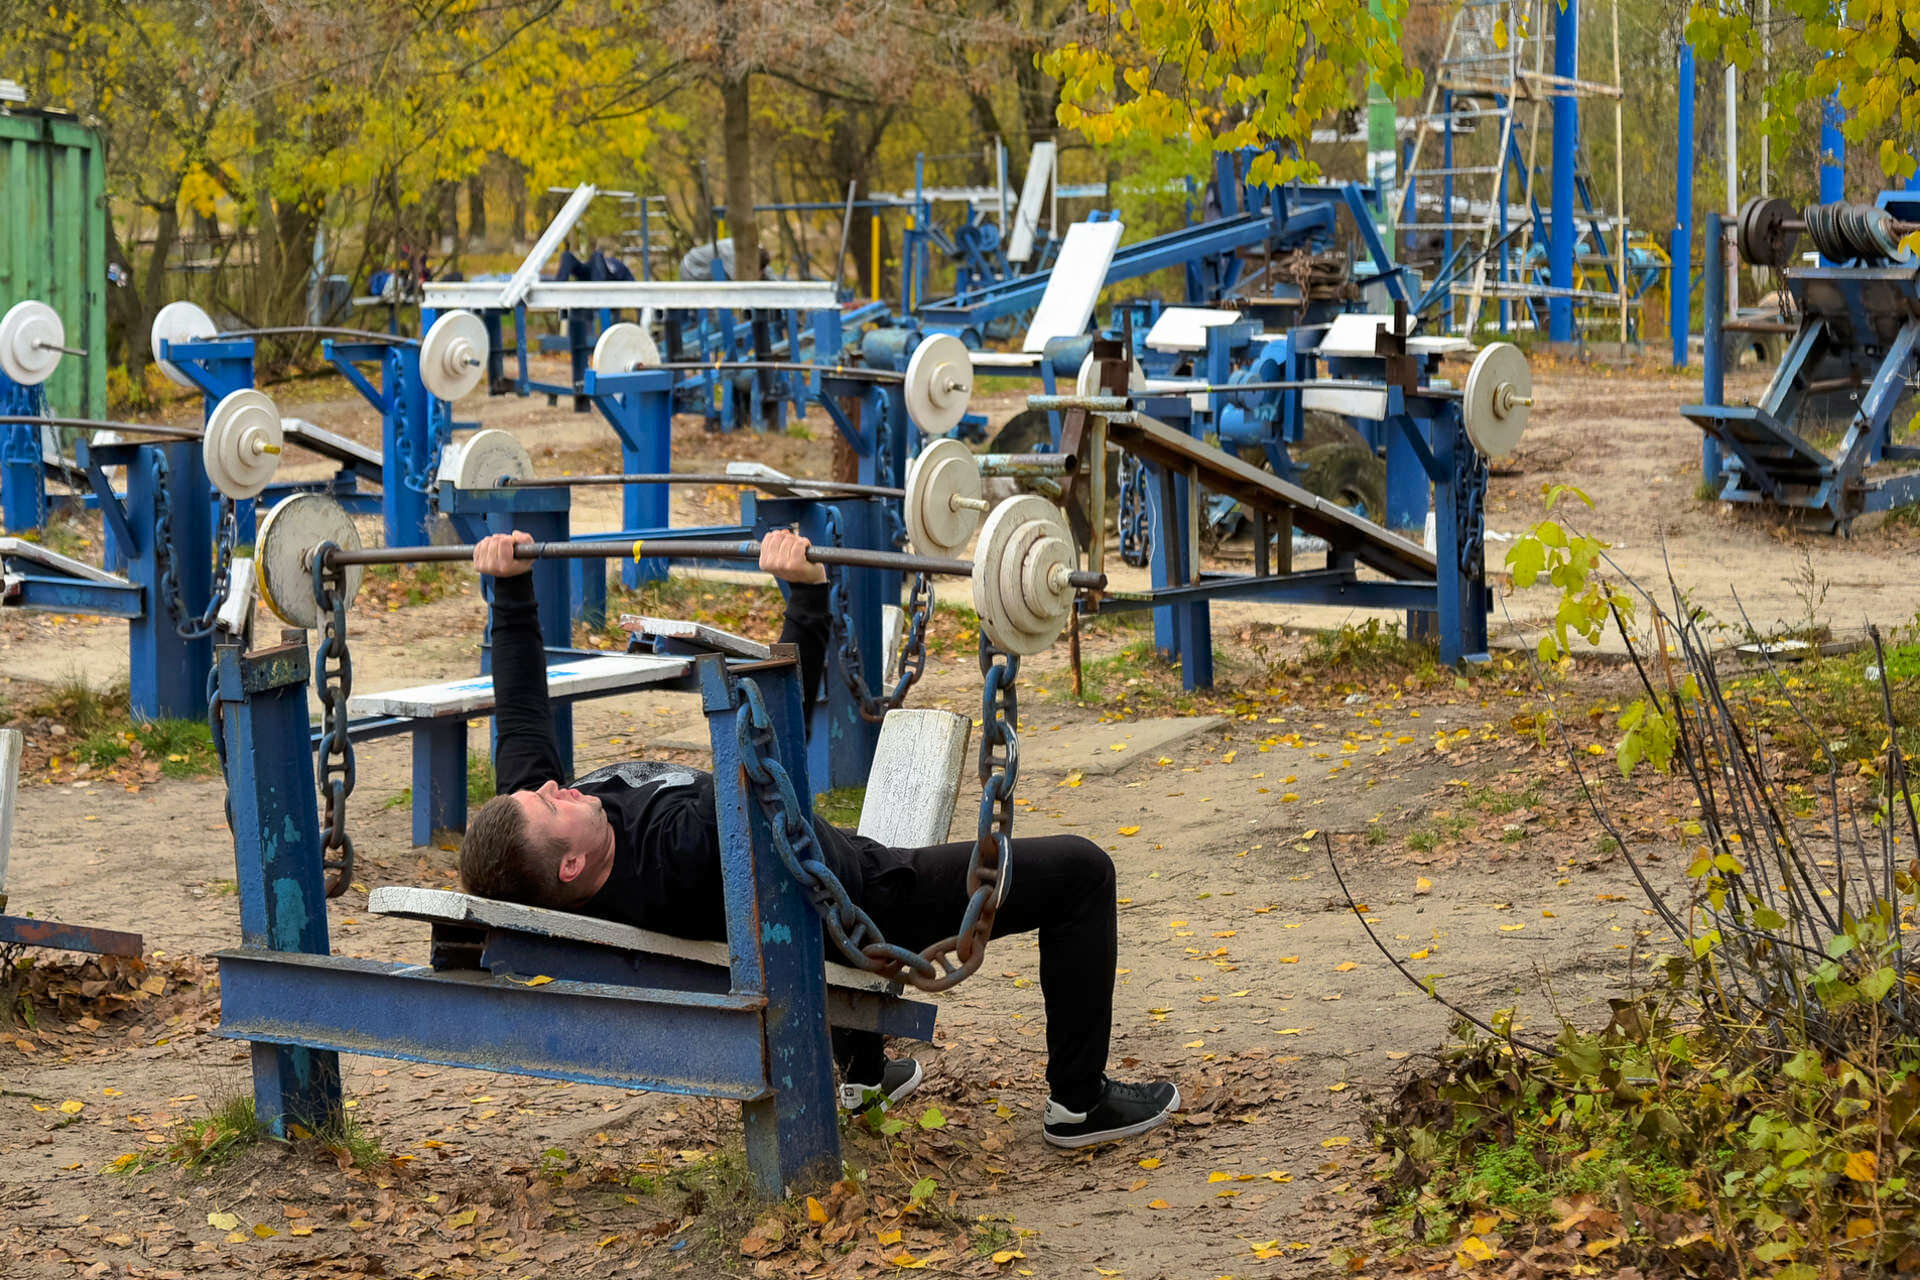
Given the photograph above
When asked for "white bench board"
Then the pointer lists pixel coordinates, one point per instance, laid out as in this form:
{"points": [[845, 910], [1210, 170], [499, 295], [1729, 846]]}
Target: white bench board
{"points": [[1004, 359], [1185, 328], [1079, 274], [35, 554], [11, 743], [1041, 164], [564, 679], [695, 633], [328, 444], [448, 907], [913, 785]]}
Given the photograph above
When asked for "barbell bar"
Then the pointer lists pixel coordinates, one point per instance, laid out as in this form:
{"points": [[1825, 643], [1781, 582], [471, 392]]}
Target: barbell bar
{"points": [[1024, 580], [837, 488]]}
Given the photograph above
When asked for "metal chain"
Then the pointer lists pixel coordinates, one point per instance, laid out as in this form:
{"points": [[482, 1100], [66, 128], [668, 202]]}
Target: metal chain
{"points": [[186, 624], [333, 682], [939, 966], [1136, 532], [913, 657]]}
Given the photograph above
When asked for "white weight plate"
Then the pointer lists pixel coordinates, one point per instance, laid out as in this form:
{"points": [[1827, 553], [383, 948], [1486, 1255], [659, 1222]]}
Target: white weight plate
{"points": [[945, 470], [179, 322], [484, 460], [241, 447], [623, 348], [1493, 407], [939, 383], [1086, 384], [281, 569], [29, 332], [453, 355], [1020, 607]]}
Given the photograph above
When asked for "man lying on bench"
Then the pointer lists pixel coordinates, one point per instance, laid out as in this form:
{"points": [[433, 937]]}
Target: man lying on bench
{"points": [[638, 843]]}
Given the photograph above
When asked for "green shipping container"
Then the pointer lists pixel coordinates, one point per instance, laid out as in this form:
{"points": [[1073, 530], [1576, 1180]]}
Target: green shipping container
{"points": [[53, 243]]}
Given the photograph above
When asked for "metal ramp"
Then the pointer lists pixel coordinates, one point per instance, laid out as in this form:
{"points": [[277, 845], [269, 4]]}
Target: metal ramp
{"points": [[1348, 536]]}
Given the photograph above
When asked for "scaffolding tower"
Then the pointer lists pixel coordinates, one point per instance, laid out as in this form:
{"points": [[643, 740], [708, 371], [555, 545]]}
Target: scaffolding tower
{"points": [[1471, 208]]}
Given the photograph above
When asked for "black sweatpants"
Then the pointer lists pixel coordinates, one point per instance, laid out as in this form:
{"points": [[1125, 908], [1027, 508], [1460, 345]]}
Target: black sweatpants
{"points": [[1063, 887]]}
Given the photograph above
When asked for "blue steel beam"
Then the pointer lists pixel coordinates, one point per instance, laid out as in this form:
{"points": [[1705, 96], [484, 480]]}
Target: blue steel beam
{"points": [[1203, 239], [50, 594], [629, 1037], [20, 931]]}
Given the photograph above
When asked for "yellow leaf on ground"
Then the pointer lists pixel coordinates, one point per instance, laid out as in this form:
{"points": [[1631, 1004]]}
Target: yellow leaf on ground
{"points": [[1330, 1143], [1597, 1247], [888, 1237], [264, 1232], [1151, 1162], [816, 1212], [1129, 831], [1007, 1255], [1861, 1166], [1511, 928], [1073, 779], [1345, 966], [907, 1262], [1423, 885], [1473, 1249], [1421, 954], [1158, 1204], [223, 1221], [72, 1106], [1219, 1175]]}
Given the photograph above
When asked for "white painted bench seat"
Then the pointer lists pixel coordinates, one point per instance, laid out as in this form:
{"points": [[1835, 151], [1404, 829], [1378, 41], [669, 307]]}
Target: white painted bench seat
{"points": [[695, 633], [329, 444], [19, 549], [1185, 328], [445, 906], [11, 744], [565, 680]]}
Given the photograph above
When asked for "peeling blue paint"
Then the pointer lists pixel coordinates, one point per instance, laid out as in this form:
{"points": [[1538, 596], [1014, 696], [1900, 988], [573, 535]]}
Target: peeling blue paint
{"points": [[289, 914], [771, 932]]}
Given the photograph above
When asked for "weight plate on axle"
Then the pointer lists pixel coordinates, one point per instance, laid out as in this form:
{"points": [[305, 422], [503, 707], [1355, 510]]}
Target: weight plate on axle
{"points": [[623, 348], [453, 355], [487, 458], [1761, 233], [241, 447], [1020, 569], [179, 322], [939, 384], [1498, 395], [30, 334], [944, 470], [281, 567]]}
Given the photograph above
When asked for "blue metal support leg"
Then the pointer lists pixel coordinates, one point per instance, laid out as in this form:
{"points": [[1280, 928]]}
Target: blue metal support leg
{"points": [[439, 778], [276, 848]]}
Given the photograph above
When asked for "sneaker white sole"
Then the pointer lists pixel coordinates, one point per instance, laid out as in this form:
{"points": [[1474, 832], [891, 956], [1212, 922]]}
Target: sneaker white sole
{"points": [[852, 1096], [1114, 1135]]}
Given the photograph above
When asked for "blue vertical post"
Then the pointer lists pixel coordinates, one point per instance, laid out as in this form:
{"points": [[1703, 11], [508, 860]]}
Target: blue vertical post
{"points": [[23, 490], [167, 674], [1680, 252], [774, 940], [276, 855], [406, 433], [639, 407], [1566, 130], [1712, 364], [841, 742], [1460, 484]]}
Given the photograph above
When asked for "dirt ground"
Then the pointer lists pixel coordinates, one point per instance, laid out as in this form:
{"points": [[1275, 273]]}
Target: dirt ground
{"points": [[1244, 973]]}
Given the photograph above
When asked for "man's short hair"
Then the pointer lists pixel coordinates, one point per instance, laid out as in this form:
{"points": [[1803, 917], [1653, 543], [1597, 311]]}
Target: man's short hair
{"points": [[499, 857]]}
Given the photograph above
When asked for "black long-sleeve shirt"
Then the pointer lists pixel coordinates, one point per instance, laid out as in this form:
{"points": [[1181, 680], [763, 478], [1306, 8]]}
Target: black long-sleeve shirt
{"points": [[666, 861]]}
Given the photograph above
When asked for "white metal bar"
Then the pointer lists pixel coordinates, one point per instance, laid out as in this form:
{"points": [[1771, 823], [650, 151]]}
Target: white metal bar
{"points": [[799, 295], [10, 745], [529, 273]]}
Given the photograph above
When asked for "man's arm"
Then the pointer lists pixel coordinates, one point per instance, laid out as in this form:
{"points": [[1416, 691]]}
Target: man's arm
{"points": [[524, 753], [808, 622]]}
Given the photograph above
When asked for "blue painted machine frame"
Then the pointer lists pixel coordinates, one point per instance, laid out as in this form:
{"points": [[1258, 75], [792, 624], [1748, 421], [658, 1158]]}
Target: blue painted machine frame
{"points": [[762, 1041]]}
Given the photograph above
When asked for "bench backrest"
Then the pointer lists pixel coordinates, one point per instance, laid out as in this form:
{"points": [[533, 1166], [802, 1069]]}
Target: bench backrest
{"points": [[11, 742], [915, 779], [1079, 274]]}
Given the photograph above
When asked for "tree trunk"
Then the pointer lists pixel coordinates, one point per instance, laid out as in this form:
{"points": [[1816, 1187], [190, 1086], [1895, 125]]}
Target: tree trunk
{"points": [[737, 137], [516, 206], [477, 208]]}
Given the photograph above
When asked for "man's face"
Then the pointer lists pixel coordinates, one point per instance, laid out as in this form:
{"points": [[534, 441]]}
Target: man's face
{"points": [[562, 815]]}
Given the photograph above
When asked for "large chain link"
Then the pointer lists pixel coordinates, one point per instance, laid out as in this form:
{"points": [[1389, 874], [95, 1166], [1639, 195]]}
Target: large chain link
{"points": [[913, 656], [935, 968], [1136, 529], [333, 682], [187, 624]]}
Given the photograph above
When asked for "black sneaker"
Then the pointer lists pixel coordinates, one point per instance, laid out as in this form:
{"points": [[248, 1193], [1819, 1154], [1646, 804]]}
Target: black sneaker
{"points": [[900, 1078], [1123, 1111]]}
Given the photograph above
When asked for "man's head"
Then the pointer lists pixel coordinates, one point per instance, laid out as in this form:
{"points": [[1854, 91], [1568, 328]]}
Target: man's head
{"points": [[550, 847]]}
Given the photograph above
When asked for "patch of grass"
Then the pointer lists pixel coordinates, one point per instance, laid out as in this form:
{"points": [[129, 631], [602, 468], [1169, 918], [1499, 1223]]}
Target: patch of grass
{"points": [[184, 748], [397, 585], [83, 709], [1831, 706], [1706, 491], [1366, 651], [480, 785], [229, 1128], [840, 806], [1487, 800]]}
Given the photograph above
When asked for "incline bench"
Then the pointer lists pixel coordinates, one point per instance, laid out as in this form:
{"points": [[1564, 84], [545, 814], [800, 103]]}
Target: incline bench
{"points": [[909, 803]]}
